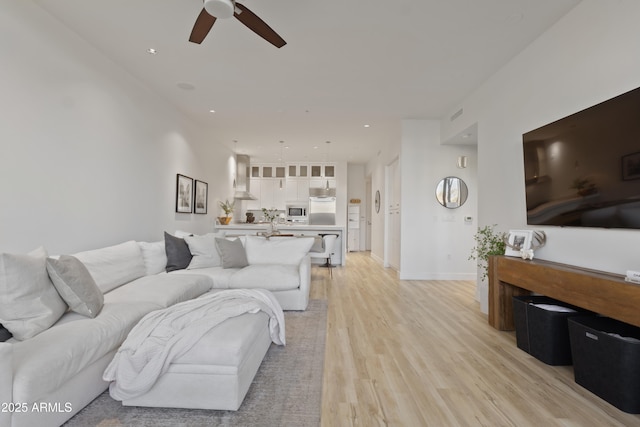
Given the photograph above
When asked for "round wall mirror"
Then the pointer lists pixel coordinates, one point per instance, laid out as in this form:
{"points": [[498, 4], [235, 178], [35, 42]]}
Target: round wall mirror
{"points": [[451, 192], [377, 201]]}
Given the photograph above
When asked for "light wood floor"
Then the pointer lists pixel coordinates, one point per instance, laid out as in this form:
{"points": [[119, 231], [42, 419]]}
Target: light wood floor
{"points": [[420, 353]]}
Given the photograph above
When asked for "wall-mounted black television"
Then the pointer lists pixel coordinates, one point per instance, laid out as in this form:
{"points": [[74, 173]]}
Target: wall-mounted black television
{"points": [[584, 170]]}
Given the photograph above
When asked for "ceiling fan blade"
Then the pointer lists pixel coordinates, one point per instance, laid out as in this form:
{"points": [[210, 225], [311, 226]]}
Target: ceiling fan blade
{"points": [[202, 27], [258, 26]]}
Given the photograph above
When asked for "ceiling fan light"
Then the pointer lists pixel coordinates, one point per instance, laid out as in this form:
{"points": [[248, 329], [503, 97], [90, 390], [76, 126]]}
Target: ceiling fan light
{"points": [[219, 8]]}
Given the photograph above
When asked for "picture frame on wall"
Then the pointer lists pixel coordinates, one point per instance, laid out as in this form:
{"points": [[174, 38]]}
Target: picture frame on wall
{"points": [[519, 240], [184, 194], [201, 197], [631, 166]]}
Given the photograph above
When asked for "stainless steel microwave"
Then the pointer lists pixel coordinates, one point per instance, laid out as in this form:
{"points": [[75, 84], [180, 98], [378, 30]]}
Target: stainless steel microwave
{"points": [[297, 212]]}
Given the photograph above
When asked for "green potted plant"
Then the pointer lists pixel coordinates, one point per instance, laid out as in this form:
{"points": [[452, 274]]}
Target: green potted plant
{"points": [[228, 208], [488, 242]]}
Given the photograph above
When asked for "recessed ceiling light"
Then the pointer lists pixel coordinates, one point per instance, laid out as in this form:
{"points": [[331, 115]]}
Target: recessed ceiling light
{"points": [[367, 126], [212, 111], [315, 147], [152, 51]]}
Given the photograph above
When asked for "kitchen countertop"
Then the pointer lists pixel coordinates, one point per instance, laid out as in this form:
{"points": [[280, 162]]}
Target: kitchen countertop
{"points": [[259, 225], [313, 229]]}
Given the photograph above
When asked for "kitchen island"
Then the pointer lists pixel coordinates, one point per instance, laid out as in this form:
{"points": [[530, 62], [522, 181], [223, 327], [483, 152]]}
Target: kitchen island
{"points": [[337, 257]]}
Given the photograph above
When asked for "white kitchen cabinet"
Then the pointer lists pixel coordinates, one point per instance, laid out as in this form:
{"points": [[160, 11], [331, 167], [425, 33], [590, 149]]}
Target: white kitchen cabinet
{"points": [[297, 190], [255, 185], [271, 195], [296, 181], [321, 183]]}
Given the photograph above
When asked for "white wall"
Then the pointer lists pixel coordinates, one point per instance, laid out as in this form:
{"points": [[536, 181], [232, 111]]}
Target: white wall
{"points": [[436, 241], [376, 170], [589, 56], [89, 154]]}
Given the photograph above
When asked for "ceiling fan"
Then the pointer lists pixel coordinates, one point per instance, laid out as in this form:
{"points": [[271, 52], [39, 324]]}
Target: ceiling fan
{"points": [[214, 9]]}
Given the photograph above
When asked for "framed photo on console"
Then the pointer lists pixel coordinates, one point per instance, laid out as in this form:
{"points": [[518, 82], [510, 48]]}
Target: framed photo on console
{"points": [[518, 240], [201, 197], [184, 194]]}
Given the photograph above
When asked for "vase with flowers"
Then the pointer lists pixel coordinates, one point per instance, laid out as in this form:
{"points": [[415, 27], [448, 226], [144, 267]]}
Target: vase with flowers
{"points": [[271, 215]]}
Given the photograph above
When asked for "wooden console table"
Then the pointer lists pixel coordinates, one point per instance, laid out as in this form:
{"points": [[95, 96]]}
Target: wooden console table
{"points": [[604, 293]]}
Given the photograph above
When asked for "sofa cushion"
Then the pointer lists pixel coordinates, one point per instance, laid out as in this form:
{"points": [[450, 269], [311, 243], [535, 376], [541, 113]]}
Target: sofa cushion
{"points": [[275, 277], [204, 251], [220, 277], [161, 289], [277, 250], [75, 285], [178, 254], [228, 343], [29, 303], [48, 360], [154, 256], [114, 266], [232, 253]]}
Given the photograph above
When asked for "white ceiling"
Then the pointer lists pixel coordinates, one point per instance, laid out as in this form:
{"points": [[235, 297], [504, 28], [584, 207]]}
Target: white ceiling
{"points": [[346, 64]]}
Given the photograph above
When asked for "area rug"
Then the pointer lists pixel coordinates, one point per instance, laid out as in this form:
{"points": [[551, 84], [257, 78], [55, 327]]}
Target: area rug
{"points": [[287, 390]]}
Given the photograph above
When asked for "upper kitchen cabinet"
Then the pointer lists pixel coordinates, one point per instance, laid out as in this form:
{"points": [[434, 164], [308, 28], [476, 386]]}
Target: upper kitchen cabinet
{"points": [[323, 170], [296, 170]]}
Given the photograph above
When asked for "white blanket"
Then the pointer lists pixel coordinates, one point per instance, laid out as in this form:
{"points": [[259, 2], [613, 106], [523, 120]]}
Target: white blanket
{"points": [[164, 335]]}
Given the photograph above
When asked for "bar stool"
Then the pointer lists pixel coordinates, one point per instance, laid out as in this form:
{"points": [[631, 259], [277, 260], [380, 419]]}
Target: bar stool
{"points": [[328, 240]]}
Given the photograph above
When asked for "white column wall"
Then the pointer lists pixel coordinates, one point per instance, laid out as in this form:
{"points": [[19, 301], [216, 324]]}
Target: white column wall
{"points": [[436, 241]]}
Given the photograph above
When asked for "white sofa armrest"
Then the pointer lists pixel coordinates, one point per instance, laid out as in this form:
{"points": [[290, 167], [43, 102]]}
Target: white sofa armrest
{"points": [[6, 381], [305, 277]]}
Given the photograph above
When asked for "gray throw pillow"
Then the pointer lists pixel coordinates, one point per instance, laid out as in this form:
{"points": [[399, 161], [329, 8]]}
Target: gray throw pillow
{"points": [[232, 253], [75, 285], [178, 254], [29, 304], [4, 334]]}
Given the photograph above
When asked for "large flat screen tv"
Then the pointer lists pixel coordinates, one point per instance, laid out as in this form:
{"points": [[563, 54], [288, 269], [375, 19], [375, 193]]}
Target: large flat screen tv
{"points": [[584, 170]]}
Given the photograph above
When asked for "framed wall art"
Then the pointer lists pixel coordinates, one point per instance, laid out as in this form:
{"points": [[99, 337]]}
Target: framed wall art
{"points": [[201, 198], [631, 166], [519, 240], [184, 194]]}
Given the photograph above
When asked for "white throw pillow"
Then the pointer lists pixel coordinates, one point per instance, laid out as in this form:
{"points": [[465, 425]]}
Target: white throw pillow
{"points": [[154, 256], [204, 251], [114, 266], [277, 250], [29, 303]]}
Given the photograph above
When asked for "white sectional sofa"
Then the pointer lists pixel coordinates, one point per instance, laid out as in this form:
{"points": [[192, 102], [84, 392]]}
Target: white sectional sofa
{"points": [[53, 365]]}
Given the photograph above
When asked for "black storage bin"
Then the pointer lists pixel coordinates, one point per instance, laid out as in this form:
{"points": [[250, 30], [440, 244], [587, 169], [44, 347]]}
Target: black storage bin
{"points": [[606, 358], [544, 334]]}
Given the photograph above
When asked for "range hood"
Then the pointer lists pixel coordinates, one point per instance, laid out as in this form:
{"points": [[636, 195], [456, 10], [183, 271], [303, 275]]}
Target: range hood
{"points": [[242, 178]]}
